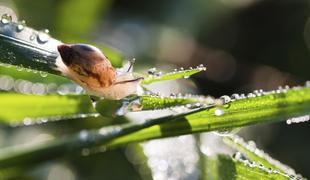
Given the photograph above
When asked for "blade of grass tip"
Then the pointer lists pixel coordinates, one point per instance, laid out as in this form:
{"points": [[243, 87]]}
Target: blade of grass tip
{"points": [[20, 155], [155, 76], [250, 150], [224, 167], [27, 47]]}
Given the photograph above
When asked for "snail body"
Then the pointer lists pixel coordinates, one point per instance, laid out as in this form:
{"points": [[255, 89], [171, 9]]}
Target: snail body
{"points": [[90, 68]]}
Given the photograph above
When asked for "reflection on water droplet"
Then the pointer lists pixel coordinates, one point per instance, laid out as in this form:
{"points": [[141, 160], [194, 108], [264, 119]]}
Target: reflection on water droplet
{"points": [[185, 77], [225, 98], [85, 152], [32, 36], [83, 135], [27, 121], [43, 36], [152, 71], [6, 18], [20, 68], [299, 119], [218, 111], [21, 25], [43, 74]]}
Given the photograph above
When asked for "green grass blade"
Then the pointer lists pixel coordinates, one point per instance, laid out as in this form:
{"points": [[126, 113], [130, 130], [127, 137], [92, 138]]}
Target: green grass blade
{"points": [[154, 77], [254, 154], [148, 102], [21, 155], [16, 107], [33, 76], [269, 108], [224, 167]]}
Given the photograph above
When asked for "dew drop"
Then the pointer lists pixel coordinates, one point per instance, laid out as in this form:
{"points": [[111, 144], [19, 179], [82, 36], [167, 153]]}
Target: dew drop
{"points": [[27, 121], [32, 36], [20, 68], [43, 74], [152, 71], [21, 26], [185, 77], [218, 112], [234, 96], [83, 136], [43, 36], [237, 156], [6, 18], [85, 152], [226, 99]]}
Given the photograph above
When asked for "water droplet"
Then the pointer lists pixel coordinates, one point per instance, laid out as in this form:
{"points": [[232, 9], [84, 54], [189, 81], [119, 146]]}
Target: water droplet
{"points": [[152, 71], [237, 156], [226, 99], [20, 68], [32, 36], [21, 25], [43, 36], [85, 152], [218, 112], [250, 95], [27, 121], [83, 135], [299, 119], [6, 18], [43, 74], [234, 96], [185, 77]]}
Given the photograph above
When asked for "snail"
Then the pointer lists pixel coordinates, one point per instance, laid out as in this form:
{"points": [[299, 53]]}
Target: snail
{"points": [[90, 68]]}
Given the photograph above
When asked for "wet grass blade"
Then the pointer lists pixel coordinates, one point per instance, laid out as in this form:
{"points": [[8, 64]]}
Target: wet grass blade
{"points": [[274, 107], [224, 167], [21, 155], [269, 108], [16, 107], [32, 76], [172, 75], [250, 150]]}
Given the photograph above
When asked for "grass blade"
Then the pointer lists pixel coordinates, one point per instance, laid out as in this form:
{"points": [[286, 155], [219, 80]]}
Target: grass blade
{"points": [[156, 77], [248, 111]]}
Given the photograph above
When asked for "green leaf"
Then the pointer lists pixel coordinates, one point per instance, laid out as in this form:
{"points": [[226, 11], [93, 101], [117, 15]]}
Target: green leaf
{"points": [[35, 153], [146, 102], [250, 150], [268, 108], [33, 76], [16, 107], [155, 77], [224, 167], [273, 107]]}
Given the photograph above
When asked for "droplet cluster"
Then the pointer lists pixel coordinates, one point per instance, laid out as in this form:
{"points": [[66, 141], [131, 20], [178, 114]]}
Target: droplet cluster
{"points": [[7, 83], [299, 119], [251, 146], [42, 120], [156, 73]]}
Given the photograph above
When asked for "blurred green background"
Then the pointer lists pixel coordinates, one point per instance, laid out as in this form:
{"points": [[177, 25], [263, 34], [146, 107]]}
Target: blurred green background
{"points": [[245, 44]]}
